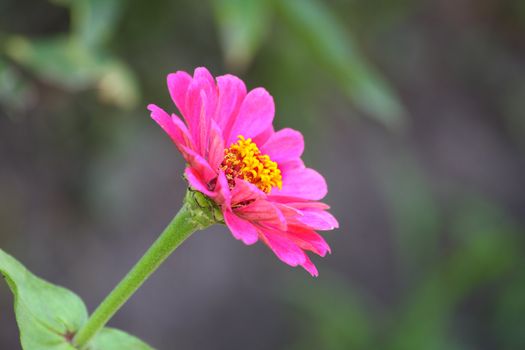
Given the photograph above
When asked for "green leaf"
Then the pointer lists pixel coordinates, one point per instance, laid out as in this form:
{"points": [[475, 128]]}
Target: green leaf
{"points": [[48, 316], [243, 25], [329, 43], [114, 339]]}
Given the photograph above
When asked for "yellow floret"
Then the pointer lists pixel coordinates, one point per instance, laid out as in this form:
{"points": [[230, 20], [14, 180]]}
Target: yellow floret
{"points": [[244, 160]]}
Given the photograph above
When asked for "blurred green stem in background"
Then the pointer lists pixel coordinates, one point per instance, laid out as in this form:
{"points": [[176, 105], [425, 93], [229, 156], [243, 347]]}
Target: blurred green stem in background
{"points": [[197, 213]]}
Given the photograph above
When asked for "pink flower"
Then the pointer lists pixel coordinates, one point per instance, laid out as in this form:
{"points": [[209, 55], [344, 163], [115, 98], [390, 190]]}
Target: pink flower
{"points": [[253, 173]]}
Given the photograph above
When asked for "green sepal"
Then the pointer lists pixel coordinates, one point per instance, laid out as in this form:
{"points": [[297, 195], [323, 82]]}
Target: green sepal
{"points": [[48, 316], [204, 211]]}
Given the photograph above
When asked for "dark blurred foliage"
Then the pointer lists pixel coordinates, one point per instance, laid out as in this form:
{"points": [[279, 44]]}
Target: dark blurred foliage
{"points": [[413, 110]]}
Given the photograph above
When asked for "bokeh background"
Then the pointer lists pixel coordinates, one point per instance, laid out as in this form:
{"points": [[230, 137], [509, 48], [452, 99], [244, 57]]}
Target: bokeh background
{"points": [[413, 110]]}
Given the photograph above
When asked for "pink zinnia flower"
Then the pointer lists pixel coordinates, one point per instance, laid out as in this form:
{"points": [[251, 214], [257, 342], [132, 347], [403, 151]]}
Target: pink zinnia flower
{"points": [[254, 174]]}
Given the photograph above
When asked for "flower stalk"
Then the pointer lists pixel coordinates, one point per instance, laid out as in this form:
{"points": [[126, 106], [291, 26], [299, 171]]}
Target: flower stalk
{"points": [[197, 213]]}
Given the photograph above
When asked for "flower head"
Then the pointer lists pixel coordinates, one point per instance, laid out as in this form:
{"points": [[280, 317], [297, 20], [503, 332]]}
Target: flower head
{"points": [[254, 174]]}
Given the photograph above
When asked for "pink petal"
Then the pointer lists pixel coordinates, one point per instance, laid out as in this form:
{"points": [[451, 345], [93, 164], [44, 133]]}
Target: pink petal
{"points": [[262, 211], [288, 211], [318, 220], [204, 74], [178, 86], [203, 108], [223, 191], [255, 115], [284, 145], [198, 163], [291, 165], [197, 183], [209, 88], [308, 239], [232, 92], [302, 183], [264, 136], [245, 191], [216, 146], [310, 267], [220, 194], [304, 205], [241, 229], [196, 99], [195, 114], [285, 249], [166, 123], [179, 124]]}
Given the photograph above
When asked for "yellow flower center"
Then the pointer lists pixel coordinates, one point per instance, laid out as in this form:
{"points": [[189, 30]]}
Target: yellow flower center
{"points": [[244, 160]]}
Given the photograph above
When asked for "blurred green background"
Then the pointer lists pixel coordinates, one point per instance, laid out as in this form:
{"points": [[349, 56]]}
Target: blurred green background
{"points": [[413, 110]]}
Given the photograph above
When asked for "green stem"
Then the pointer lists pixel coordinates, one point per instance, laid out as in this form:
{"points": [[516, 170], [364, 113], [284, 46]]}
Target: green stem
{"points": [[190, 218]]}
